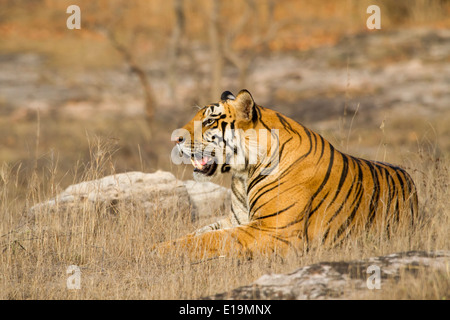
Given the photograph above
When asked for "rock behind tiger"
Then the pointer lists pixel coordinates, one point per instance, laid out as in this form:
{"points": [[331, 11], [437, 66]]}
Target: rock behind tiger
{"points": [[153, 192]]}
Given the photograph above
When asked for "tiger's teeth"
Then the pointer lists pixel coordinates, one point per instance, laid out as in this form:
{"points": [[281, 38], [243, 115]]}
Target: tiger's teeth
{"points": [[197, 164]]}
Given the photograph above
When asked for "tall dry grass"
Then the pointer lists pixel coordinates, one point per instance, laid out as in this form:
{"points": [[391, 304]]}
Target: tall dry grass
{"points": [[112, 247]]}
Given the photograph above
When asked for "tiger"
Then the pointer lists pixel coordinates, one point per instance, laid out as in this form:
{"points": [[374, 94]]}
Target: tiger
{"points": [[298, 189]]}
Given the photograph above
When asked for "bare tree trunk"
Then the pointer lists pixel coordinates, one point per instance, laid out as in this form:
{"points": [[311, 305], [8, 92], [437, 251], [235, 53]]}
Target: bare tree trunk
{"points": [[135, 68], [244, 69], [261, 38], [216, 51], [239, 61], [175, 45]]}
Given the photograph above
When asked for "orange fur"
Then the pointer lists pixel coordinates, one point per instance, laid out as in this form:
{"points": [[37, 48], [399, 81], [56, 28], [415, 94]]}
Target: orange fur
{"points": [[316, 194]]}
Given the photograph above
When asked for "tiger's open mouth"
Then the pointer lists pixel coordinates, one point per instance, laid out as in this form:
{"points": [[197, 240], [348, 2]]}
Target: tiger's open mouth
{"points": [[204, 165]]}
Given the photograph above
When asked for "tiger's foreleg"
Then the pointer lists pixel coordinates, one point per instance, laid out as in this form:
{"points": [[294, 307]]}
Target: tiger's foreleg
{"points": [[241, 241], [237, 216], [224, 223]]}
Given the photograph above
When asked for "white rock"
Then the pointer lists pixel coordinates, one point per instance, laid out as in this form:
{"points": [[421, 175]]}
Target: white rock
{"points": [[338, 280], [159, 191], [208, 199]]}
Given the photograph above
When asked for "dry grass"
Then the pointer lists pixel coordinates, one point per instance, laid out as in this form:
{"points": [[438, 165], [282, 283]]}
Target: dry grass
{"points": [[112, 249]]}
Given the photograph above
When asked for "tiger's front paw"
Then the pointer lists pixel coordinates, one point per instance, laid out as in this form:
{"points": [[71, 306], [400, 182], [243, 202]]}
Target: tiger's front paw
{"points": [[172, 248], [163, 249], [202, 230]]}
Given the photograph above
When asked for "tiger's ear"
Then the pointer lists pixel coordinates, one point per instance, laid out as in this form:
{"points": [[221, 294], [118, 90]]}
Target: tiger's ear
{"points": [[244, 105], [227, 95]]}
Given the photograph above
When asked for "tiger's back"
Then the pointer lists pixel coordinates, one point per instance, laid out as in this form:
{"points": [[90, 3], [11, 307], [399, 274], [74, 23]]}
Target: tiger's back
{"points": [[333, 193]]}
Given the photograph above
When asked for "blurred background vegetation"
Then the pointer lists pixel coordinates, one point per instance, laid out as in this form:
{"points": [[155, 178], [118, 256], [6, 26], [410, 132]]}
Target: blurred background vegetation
{"points": [[137, 69]]}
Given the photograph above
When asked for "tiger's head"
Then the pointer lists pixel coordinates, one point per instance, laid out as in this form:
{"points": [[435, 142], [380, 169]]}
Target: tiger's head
{"points": [[221, 137]]}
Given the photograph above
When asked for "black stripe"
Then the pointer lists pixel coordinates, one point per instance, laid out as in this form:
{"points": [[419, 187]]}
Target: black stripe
{"points": [[285, 123], [235, 215], [356, 201], [389, 181], [356, 181], [287, 242], [239, 196], [255, 181], [401, 182], [223, 126], [283, 145], [315, 143], [291, 223], [276, 213], [254, 201], [374, 200], [248, 233], [411, 196], [344, 174], [260, 120], [325, 180], [322, 200], [396, 211], [350, 219], [293, 164], [264, 173], [323, 148]]}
